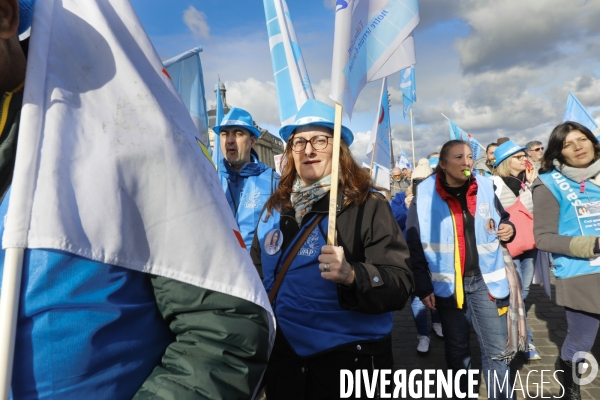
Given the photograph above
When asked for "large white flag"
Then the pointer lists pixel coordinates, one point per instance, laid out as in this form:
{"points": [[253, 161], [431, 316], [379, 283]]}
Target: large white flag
{"points": [[290, 75], [108, 166], [380, 134], [372, 39]]}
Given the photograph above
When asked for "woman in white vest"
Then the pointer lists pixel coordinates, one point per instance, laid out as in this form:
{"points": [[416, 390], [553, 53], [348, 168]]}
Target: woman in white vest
{"points": [[457, 262], [569, 181], [513, 177]]}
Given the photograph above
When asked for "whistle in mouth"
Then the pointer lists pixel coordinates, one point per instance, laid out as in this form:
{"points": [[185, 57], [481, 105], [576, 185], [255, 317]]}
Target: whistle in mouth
{"points": [[467, 172]]}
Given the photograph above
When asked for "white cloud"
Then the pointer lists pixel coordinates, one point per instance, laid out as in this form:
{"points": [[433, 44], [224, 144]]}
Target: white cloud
{"points": [[256, 97], [514, 32], [196, 22]]}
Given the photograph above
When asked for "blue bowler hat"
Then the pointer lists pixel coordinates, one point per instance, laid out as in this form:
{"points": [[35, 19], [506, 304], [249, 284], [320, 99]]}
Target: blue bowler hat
{"points": [[314, 112], [506, 150], [25, 14], [238, 117]]}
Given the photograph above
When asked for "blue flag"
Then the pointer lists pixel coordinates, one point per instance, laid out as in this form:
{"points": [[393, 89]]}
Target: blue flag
{"points": [[185, 71], [576, 112], [289, 72], [403, 162], [218, 119], [408, 87], [456, 133], [380, 134]]}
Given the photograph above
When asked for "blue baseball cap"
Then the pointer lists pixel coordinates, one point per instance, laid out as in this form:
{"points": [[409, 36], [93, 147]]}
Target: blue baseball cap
{"points": [[238, 117], [25, 15], [506, 150], [315, 112]]}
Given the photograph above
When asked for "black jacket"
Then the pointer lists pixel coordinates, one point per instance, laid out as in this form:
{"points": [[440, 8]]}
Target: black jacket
{"points": [[374, 246]]}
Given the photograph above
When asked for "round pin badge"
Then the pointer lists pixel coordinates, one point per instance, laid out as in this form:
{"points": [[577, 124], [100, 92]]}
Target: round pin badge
{"points": [[273, 241]]}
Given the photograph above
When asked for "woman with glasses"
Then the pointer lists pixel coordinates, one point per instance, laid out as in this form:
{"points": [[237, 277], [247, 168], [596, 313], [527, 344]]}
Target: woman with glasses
{"points": [[513, 178], [570, 180], [334, 304]]}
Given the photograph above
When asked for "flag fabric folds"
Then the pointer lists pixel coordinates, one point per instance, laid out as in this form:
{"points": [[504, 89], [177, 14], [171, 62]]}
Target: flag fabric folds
{"points": [[408, 87], [380, 134], [220, 113], [576, 112], [456, 133], [372, 39], [289, 72], [185, 71], [108, 167], [403, 161]]}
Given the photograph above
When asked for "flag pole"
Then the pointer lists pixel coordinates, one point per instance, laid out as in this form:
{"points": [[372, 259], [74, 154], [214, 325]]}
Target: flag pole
{"points": [[335, 169], [372, 159], [412, 136], [9, 307], [480, 145]]}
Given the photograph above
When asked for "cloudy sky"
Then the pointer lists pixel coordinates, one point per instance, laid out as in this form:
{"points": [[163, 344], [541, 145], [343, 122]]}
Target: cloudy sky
{"points": [[496, 68]]}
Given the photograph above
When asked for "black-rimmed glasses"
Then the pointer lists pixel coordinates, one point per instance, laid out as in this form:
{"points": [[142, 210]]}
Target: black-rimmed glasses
{"points": [[537, 149], [318, 142]]}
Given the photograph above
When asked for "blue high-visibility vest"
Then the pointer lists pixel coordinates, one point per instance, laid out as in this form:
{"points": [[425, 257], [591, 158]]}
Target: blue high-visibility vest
{"points": [[438, 239], [566, 192]]}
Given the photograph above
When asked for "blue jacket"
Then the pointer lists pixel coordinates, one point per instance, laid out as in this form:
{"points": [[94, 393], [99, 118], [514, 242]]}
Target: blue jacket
{"points": [[399, 209], [247, 191]]}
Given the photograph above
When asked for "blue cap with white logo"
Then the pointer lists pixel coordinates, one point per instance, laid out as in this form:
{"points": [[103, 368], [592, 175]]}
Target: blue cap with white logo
{"points": [[238, 117], [25, 15], [314, 112], [506, 150]]}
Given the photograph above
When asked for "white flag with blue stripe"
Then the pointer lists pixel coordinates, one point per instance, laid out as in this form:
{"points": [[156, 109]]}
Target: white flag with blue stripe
{"points": [[372, 39], [380, 134], [576, 112], [290, 75], [408, 87]]}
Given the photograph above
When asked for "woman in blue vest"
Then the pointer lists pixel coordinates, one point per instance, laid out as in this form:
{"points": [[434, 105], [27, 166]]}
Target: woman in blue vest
{"points": [[513, 176], [457, 262], [334, 305], [570, 180]]}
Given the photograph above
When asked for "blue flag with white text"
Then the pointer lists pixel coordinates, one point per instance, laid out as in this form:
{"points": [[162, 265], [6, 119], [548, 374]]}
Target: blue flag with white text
{"points": [[456, 133], [408, 87], [289, 72], [576, 112], [185, 71]]}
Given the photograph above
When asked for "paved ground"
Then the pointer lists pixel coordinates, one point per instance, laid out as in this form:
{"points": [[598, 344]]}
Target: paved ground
{"points": [[548, 324]]}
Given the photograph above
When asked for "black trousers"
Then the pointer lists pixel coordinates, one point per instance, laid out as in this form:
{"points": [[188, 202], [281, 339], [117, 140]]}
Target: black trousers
{"points": [[292, 377]]}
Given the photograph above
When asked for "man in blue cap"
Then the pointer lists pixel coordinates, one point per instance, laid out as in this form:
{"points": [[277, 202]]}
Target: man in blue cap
{"points": [[89, 329], [247, 182]]}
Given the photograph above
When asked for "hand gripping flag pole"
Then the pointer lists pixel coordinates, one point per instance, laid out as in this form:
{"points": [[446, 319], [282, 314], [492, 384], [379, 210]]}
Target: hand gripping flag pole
{"points": [[9, 307]]}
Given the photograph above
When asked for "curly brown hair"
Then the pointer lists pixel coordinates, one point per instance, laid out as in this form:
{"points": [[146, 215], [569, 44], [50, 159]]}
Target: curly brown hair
{"points": [[355, 183]]}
